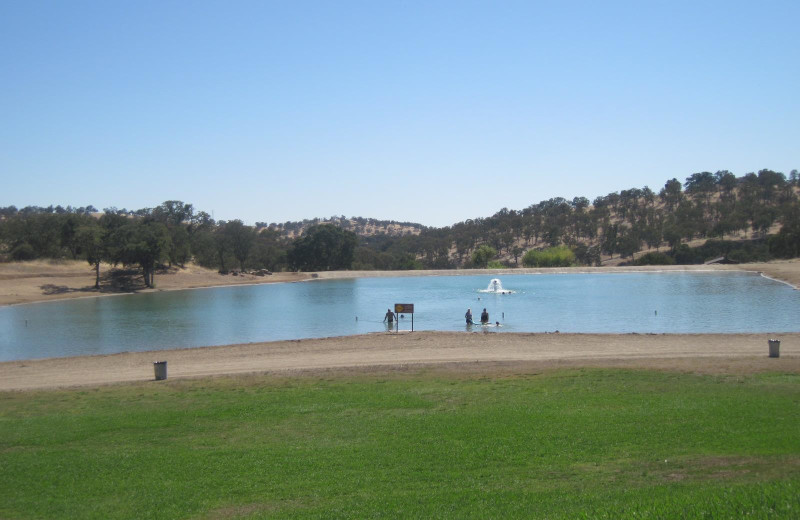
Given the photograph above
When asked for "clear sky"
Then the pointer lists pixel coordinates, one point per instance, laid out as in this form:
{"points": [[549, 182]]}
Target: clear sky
{"points": [[431, 112]]}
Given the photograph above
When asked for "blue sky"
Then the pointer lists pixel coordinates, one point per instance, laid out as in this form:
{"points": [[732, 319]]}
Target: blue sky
{"points": [[431, 112]]}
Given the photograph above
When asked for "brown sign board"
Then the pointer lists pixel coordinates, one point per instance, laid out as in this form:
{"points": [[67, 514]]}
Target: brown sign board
{"points": [[406, 308]]}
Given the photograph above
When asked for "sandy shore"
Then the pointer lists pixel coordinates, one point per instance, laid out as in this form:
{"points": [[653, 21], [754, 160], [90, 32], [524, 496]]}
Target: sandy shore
{"points": [[42, 280], [451, 351], [487, 353]]}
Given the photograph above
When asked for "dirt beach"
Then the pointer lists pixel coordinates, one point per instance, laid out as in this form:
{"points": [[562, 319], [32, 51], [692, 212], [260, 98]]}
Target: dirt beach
{"points": [[450, 351], [43, 280]]}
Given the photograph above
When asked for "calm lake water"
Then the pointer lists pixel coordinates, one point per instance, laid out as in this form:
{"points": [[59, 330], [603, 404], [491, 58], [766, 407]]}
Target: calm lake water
{"points": [[632, 302]]}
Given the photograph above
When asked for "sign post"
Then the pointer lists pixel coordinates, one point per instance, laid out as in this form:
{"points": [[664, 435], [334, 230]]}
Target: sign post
{"points": [[404, 308]]}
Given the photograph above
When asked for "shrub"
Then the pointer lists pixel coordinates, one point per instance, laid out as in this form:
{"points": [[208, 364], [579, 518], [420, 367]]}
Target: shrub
{"points": [[785, 244], [685, 255], [559, 256], [23, 252], [482, 255], [654, 259]]}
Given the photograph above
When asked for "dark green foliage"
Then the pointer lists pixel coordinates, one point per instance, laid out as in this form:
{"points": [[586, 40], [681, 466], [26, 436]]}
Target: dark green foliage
{"points": [[685, 255], [367, 259], [654, 259], [142, 242], [180, 245], [718, 205], [268, 251], [671, 194], [239, 239], [734, 251], [482, 255], [559, 256], [92, 242], [23, 251], [203, 249], [746, 251], [323, 248], [587, 255], [786, 244], [407, 262]]}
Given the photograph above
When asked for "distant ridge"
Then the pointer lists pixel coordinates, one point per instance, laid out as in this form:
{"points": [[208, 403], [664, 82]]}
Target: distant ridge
{"points": [[361, 226]]}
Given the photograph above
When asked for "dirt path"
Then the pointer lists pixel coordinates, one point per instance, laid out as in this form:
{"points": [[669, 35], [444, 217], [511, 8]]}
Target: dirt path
{"points": [[453, 351]]}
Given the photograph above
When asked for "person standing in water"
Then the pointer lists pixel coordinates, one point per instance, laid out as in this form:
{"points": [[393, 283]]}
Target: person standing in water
{"points": [[468, 316], [484, 317], [389, 318]]}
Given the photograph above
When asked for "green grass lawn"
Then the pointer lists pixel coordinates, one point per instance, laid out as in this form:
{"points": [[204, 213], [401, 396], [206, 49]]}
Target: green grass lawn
{"points": [[591, 443]]}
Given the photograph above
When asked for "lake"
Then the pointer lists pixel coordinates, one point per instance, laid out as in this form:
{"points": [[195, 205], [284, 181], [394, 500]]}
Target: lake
{"points": [[666, 302]]}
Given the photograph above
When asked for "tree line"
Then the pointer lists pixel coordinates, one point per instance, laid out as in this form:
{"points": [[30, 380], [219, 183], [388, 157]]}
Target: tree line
{"points": [[170, 234], [621, 224], [552, 232]]}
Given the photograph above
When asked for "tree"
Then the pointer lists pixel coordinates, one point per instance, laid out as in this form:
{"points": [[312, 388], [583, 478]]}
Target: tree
{"points": [[700, 183], [770, 181], [671, 193], [786, 243], [70, 223], [173, 212], [482, 255], [144, 242], [111, 223], [610, 237], [580, 203], [177, 216], [726, 181], [627, 242], [241, 239], [407, 262], [180, 245], [222, 246], [587, 255], [91, 240], [204, 248], [323, 247], [516, 252], [268, 252]]}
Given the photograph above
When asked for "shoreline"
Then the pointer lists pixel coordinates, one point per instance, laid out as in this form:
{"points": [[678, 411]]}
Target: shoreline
{"points": [[154, 290], [381, 352], [455, 353], [77, 283]]}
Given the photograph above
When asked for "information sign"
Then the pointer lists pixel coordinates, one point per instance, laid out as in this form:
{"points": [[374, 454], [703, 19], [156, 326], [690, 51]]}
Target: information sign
{"points": [[405, 308]]}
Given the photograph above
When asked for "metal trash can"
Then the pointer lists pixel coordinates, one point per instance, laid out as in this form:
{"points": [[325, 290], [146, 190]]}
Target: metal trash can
{"points": [[774, 348], [160, 368]]}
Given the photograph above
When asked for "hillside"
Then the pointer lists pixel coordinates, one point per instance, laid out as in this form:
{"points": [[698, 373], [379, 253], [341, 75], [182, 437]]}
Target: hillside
{"points": [[363, 227], [617, 228], [708, 212]]}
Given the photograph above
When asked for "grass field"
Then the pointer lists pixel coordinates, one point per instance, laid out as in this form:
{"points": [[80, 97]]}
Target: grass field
{"points": [[590, 443]]}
